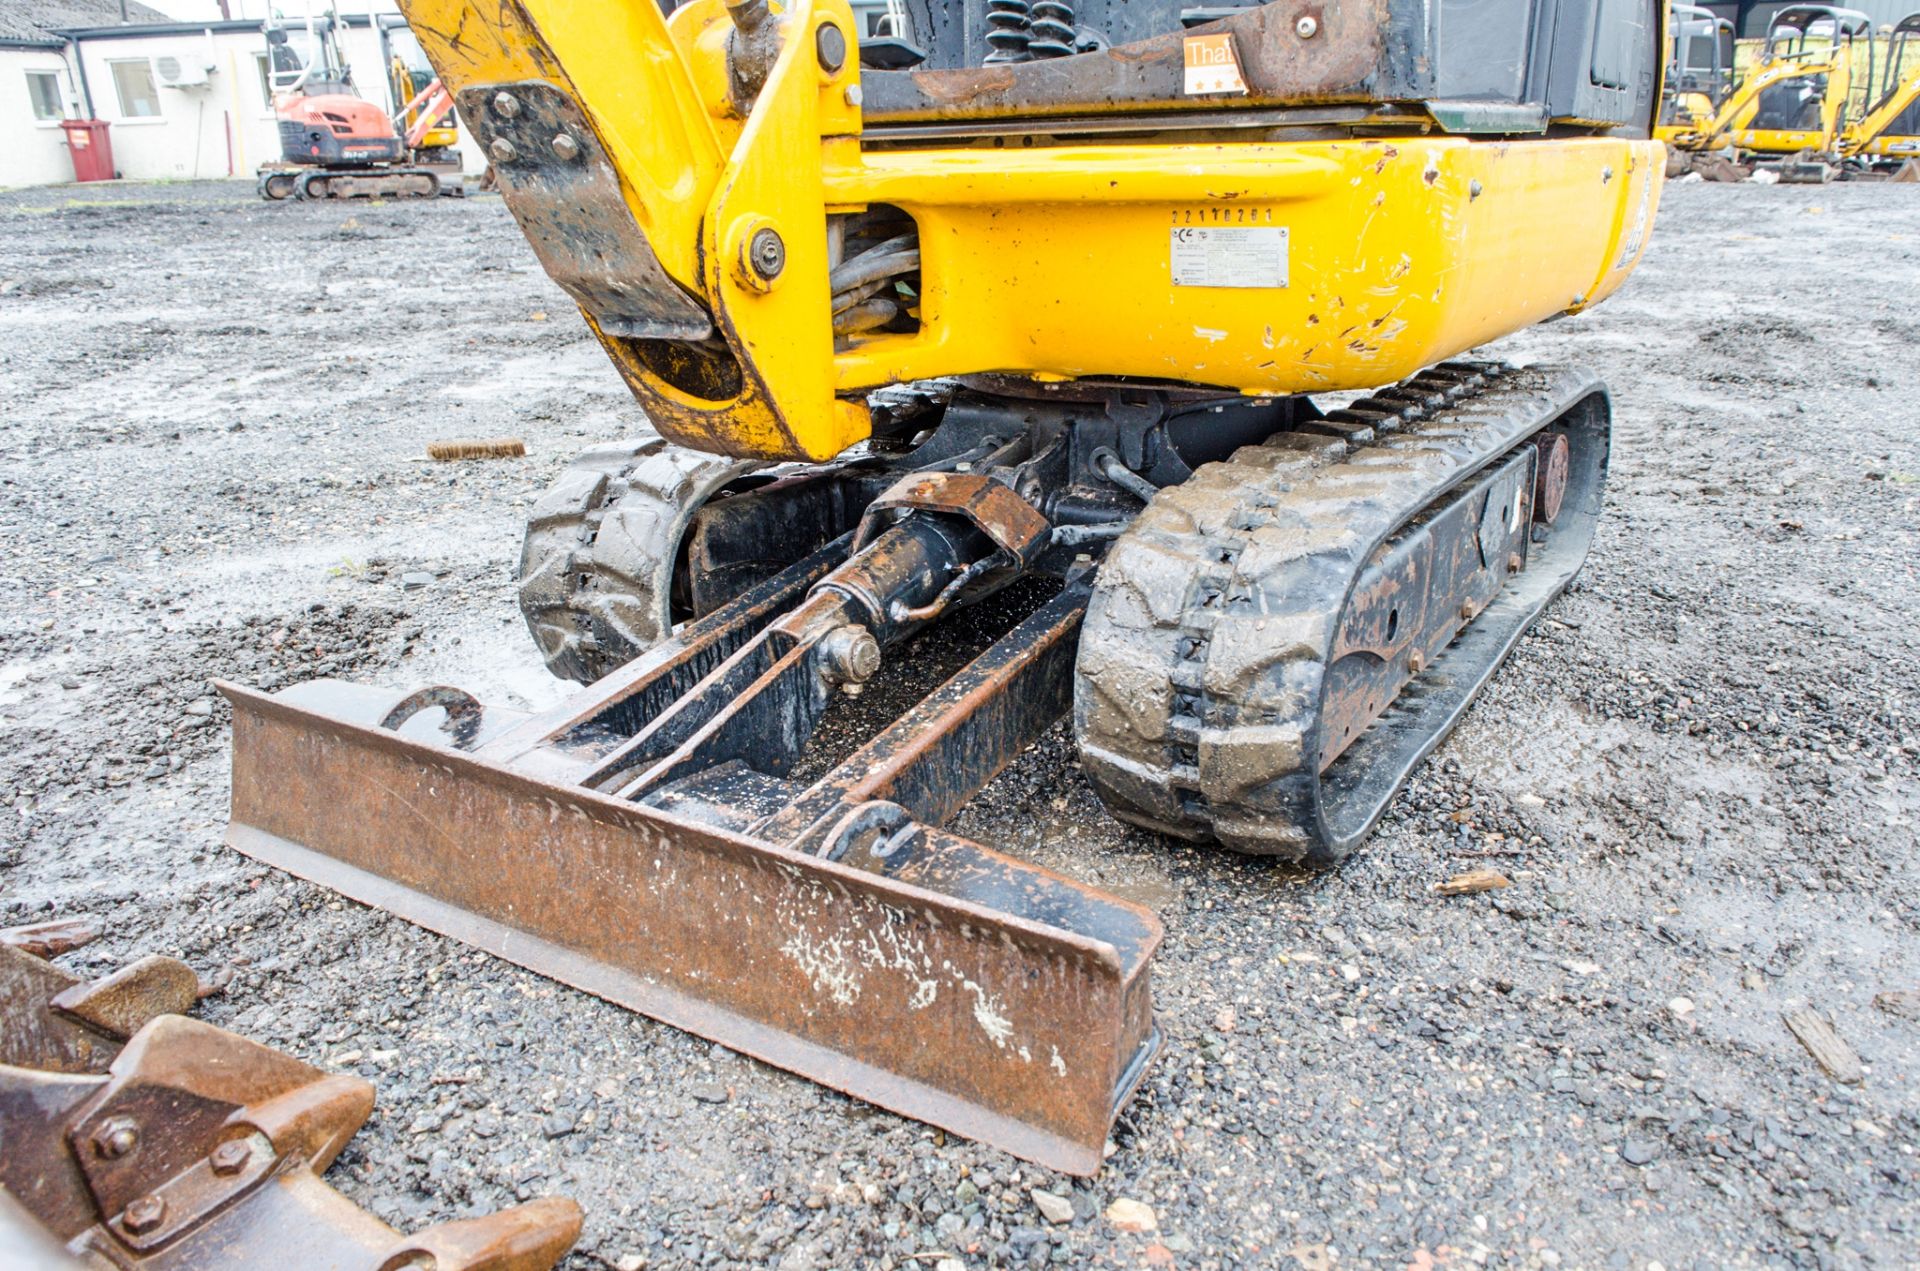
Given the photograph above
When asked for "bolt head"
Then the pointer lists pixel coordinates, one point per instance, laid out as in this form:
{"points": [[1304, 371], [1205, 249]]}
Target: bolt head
{"points": [[830, 46], [852, 653], [566, 147], [231, 1156], [115, 1138], [144, 1214], [506, 105], [502, 150], [1307, 27], [767, 253], [855, 96]]}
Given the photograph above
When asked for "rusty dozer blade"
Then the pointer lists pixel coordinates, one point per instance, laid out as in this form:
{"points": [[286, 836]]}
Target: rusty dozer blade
{"points": [[641, 841], [131, 1137]]}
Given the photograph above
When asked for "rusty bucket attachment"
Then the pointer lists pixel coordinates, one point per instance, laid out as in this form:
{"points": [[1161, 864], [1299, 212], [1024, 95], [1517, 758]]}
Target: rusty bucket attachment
{"points": [[643, 841], [52, 1019], [191, 1147]]}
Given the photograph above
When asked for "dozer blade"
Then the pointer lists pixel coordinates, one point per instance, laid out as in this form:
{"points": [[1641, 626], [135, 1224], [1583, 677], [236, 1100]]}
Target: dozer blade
{"points": [[918, 971]]}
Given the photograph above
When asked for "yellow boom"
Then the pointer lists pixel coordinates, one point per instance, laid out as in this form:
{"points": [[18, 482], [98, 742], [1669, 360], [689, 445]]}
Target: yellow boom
{"points": [[1890, 126]]}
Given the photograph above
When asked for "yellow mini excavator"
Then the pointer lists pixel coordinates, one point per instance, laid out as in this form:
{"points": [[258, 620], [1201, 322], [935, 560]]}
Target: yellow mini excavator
{"points": [[1015, 297], [1794, 99], [1887, 134], [422, 110], [1699, 74]]}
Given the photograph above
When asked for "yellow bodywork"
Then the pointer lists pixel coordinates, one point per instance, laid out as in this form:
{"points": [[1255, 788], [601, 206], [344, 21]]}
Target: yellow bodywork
{"points": [[1870, 135], [1049, 261], [1735, 127], [1879, 142], [1692, 112], [1730, 125]]}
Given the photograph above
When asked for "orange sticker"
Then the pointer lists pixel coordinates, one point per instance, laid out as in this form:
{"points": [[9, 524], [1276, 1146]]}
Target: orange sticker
{"points": [[1212, 65]]}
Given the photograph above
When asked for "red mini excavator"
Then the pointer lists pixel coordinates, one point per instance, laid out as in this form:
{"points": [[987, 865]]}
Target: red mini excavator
{"points": [[333, 143]]}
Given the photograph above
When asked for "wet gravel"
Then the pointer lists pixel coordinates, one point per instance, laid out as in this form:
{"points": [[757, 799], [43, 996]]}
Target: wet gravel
{"points": [[1698, 774]]}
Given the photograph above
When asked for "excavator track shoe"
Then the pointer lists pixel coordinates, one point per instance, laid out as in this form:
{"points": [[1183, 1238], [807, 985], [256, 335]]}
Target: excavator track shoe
{"points": [[1274, 644]]}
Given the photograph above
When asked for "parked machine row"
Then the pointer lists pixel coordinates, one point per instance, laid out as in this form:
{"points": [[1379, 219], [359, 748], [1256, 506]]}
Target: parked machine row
{"points": [[1826, 96]]}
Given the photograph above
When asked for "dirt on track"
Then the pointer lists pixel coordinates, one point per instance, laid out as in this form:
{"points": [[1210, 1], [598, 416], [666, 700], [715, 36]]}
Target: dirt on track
{"points": [[1699, 774]]}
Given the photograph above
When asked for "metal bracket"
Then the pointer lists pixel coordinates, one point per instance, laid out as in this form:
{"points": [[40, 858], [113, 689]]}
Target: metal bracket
{"points": [[201, 1148], [560, 185], [1012, 523]]}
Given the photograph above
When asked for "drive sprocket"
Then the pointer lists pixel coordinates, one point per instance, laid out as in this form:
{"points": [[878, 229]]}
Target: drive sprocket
{"points": [[1275, 643]]}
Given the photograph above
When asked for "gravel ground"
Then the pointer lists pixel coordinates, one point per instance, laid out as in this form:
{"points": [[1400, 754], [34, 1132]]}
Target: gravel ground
{"points": [[1699, 775]]}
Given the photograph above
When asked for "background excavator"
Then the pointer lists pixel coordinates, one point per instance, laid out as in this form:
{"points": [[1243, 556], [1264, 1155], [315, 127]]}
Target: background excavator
{"points": [[1887, 133], [423, 110], [1018, 300], [1794, 103], [336, 144], [1699, 74]]}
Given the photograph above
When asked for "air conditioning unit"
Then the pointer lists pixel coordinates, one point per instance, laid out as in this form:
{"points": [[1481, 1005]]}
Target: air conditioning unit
{"points": [[189, 72]]}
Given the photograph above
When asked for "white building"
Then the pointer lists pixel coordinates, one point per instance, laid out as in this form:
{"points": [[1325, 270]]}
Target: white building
{"points": [[183, 100]]}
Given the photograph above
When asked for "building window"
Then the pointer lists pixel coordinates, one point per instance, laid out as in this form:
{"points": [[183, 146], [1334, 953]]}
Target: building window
{"points": [[261, 64], [133, 81], [44, 88]]}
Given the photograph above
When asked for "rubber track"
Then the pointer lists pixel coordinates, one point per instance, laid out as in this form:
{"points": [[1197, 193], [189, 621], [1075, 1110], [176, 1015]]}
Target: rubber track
{"points": [[596, 566], [1204, 648]]}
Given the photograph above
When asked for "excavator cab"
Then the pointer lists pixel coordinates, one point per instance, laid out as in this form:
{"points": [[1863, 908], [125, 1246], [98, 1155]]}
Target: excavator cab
{"points": [[1699, 74], [304, 60], [1888, 130]]}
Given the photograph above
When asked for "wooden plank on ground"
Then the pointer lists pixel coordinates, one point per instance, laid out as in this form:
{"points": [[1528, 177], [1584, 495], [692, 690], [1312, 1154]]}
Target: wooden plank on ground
{"points": [[1826, 1046]]}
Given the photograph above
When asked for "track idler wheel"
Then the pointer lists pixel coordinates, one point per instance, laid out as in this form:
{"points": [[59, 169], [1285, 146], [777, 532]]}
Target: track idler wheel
{"points": [[596, 568], [1277, 642]]}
